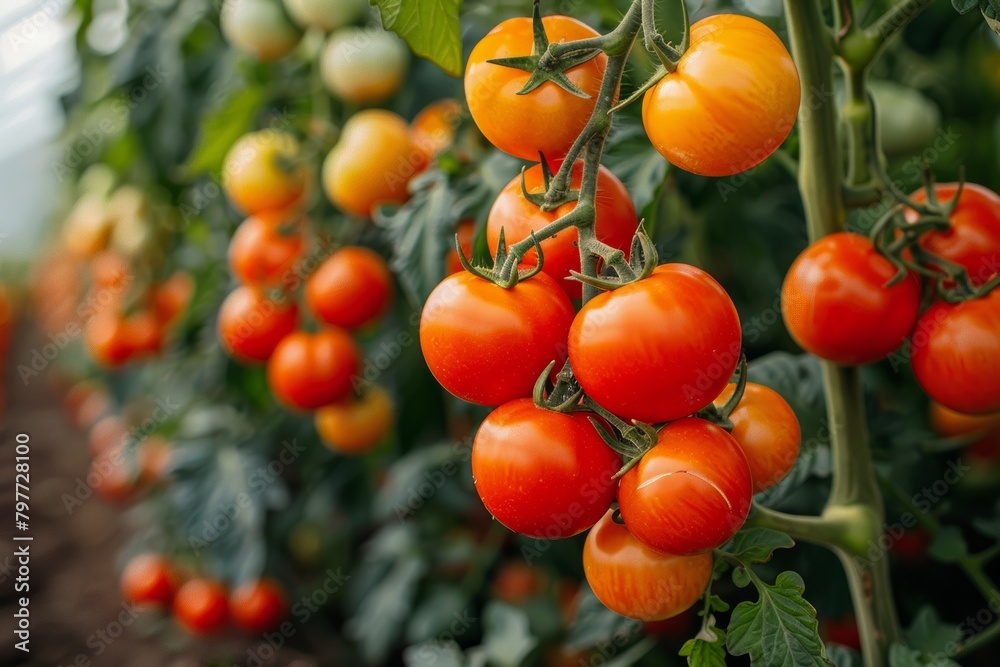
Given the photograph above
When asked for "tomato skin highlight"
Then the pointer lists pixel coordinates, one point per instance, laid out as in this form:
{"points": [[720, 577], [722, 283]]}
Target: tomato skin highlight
{"points": [[635, 581], [265, 249], [488, 345], [149, 579], [955, 354], [690, 493], [616, 222], [549, 118], [258, 606], [201, 606], [767, 430], [974, 238], [541, 473], [731, 102], [836, 289], [310, 370], [678, 323], [251, 325], [351, 289], [356, 425]]}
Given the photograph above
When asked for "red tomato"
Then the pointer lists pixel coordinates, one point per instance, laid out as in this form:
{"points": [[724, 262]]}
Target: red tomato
{"points": [[149, 579], [200, 606], [974, 238], [690, 493], [843, 631], [258, 606], [265, 249], [635, 581], [549, 118], [542, 473], [351, 289], [251, 324], [114, 339], [310, 370], [836, 291], [767, 430], [518, 217], [486, 344], [516, 582], [955, 353], [657, 349], [171, 297], [731, 102]]}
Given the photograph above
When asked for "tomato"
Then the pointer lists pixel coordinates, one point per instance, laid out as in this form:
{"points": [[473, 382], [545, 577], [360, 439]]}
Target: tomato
{"points": [[259, 28], [351, 289], [258, 606], [434, 128], [364, 65], [690, 493], [356, 425], [843, 631], [985, 428], [153, 456], [326, 15], [92, 408], [113, 339], [310, 370], [372, 163], [488, 345], [106, 434], [767, 430], [149, 579], [112, 271], [659, 348], [87, 228], [78, 396], [955, 354], [264, 170], [265, 249], [833, 293], [541, 473], [731, 102], [201, 607], [516, 582], [171, 297], [974, 238], [112, 476], [466, 232], [911, 547], [616, 222], [633, 580], [549, 118], [251, 324]]}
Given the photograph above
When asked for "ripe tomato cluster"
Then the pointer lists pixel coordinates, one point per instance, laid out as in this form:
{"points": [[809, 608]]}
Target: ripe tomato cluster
{"points": [[842, 300], [660, 350], [201, 605]]}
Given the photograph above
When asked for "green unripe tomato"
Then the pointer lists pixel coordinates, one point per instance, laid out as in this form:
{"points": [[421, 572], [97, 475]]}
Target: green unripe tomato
{"points": [[326, 15], [907, 120], [363, 65], [259, 28]]}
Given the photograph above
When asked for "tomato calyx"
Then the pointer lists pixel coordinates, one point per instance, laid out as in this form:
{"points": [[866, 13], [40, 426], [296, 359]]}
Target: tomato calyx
{"points": [[719, 415], [632, 440], [548, 199], [564, 396], [505, 271], [899, 241], [620, 271], [546, 65]]}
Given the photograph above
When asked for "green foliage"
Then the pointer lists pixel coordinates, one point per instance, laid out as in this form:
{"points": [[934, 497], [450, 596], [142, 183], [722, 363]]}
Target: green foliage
{"points": [[706, 652], [430, 27]]}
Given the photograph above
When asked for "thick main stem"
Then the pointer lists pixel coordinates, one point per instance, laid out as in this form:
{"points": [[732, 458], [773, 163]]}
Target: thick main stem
{"points": [[820, 181]]}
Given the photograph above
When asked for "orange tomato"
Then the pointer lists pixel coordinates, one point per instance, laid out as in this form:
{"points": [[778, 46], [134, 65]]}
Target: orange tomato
{"points": [[265, 248], [356, 425], [251, 325], [259, 605], [731, 102], [351, 289], [149, 579], [201, 606], [434, 128], [265, 170]]}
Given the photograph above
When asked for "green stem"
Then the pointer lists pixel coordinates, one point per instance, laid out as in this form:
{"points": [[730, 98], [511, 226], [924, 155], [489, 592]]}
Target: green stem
{"points": [[844, 528], [820, 181]]}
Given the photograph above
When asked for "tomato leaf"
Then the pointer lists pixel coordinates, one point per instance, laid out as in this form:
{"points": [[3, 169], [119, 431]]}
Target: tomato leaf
{"points": [[430, 27], [841, 656], [930, 635], [755, 545], [964, 6], [949, 545], [507, 638], [901, 655], [221, 128], [779, 629], [433, 654], [705, 652]]}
